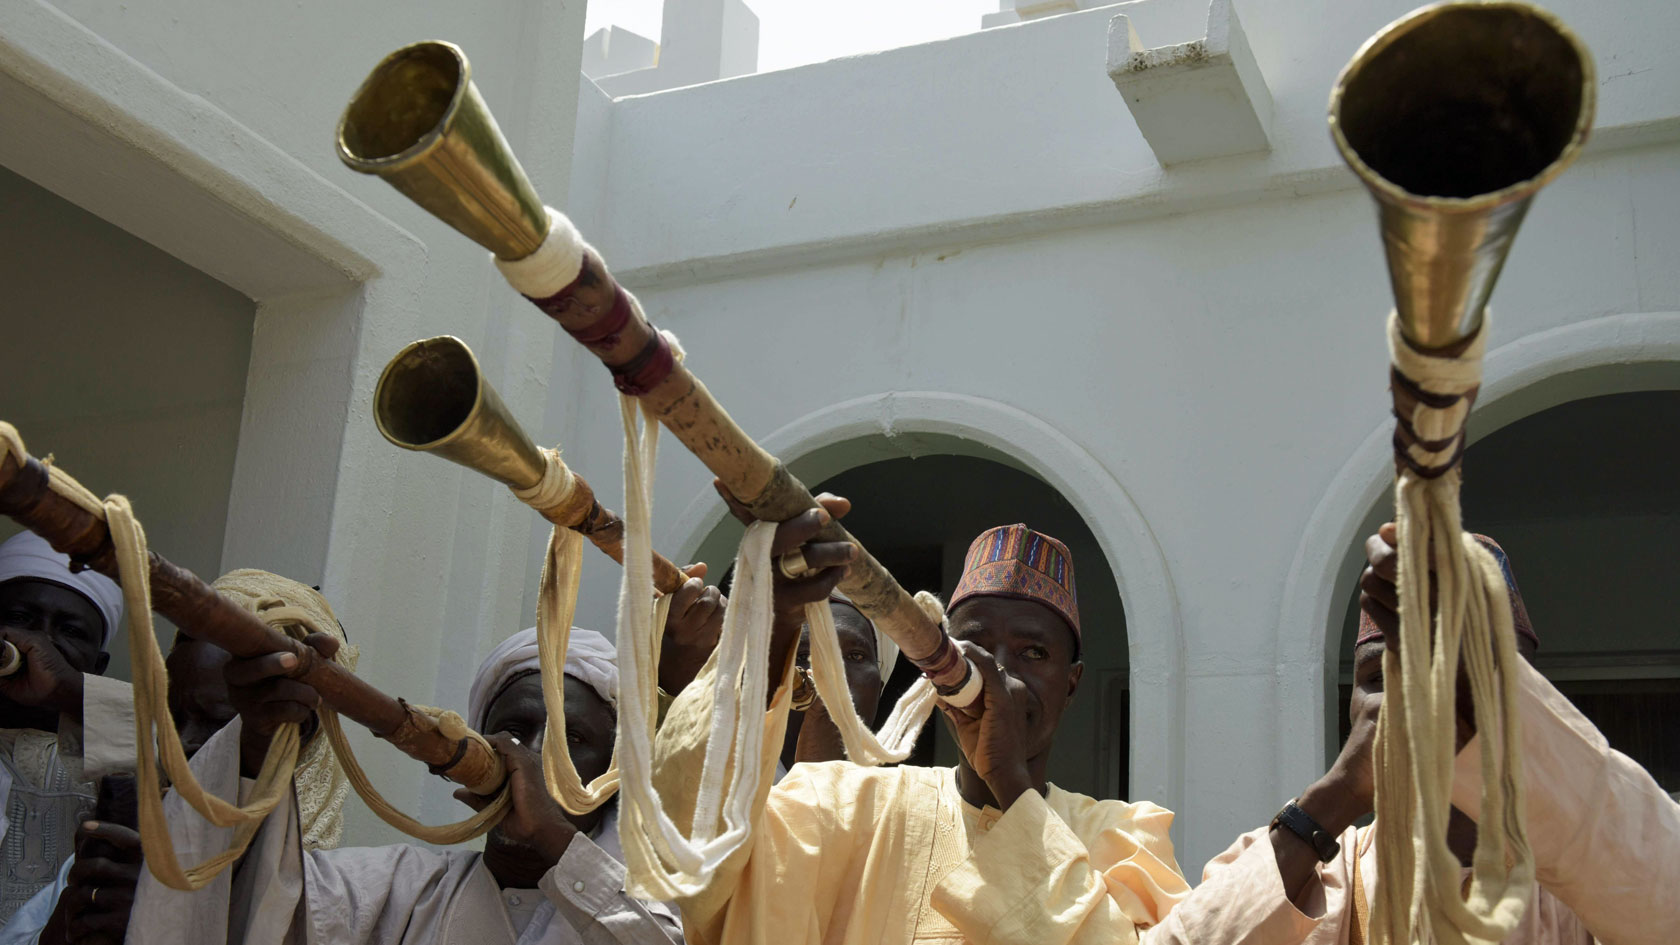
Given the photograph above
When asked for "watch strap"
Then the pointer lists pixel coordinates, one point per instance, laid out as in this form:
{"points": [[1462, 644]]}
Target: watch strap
{"points": [[1298, 822]]}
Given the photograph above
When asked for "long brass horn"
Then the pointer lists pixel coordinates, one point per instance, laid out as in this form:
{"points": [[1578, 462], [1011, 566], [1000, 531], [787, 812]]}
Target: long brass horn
{"points": [[1454, 116], [419, 122], [433, 398]]}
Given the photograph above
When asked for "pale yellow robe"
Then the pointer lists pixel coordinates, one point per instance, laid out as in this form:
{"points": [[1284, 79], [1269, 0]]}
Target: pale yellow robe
{"points": [[1606, 843], [848, 855]]}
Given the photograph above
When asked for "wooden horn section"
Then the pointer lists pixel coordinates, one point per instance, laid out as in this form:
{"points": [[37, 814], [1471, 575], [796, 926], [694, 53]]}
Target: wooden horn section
{"points": [[419, 122], [178, 594]]}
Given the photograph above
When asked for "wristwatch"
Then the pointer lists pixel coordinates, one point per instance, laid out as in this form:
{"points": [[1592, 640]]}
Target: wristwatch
{"points": [[1300, 823]]}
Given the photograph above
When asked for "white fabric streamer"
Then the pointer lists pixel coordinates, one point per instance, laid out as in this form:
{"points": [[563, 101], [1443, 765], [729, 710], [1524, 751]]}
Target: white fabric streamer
{"points": [[1420, 898], [661, 862], [828, 670]]}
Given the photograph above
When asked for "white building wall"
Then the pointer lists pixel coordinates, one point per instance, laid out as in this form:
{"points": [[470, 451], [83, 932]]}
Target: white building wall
{"points": [[980, 217], [968, 237], [207, 129], [148, 403]]}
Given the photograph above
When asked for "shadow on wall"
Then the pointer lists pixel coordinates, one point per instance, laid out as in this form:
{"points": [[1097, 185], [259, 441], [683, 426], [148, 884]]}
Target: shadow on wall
{"points": [[918, 515], [134, 374], [1583, 497]]}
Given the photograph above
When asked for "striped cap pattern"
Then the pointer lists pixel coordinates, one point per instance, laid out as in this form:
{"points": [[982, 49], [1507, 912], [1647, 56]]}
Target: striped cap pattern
{"points": [[1015, 561]]}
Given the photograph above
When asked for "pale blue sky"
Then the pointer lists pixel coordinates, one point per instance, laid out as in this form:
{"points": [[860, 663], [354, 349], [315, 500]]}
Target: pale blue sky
{"points": [[796, 32]]}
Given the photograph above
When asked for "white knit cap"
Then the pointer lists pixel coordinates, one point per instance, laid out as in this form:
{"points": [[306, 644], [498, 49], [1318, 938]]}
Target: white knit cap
{"points": [[886, 651], [590, 657], [27, 555]]}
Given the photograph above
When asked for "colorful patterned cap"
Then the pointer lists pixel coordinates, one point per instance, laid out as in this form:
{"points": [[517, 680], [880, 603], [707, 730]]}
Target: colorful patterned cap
{"points": [[1015, 561], [1368, 629]]}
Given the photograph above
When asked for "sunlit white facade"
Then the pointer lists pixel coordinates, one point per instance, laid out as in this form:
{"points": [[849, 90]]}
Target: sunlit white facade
{"points": [[964, 242]]}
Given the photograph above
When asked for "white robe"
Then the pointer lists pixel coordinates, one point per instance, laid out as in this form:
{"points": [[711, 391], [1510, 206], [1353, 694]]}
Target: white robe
{"points": [[396, 895], [55, 778]]}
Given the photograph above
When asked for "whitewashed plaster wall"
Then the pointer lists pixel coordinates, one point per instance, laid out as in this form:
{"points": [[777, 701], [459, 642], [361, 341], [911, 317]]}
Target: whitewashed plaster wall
{"points": [[146, 403], [206, 129], [972, 237]]}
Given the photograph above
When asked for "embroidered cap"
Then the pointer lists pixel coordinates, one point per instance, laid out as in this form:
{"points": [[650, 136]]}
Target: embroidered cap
{"points": [[1015, 561]]}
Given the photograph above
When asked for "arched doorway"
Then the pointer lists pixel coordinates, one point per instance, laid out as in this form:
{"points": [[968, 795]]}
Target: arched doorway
{"points": [[920, 424], [1595, 357], [1583, 496], [918, 515]]}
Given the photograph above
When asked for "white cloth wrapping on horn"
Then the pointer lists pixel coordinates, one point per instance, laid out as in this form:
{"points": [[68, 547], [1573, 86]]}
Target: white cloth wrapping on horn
{"points": [[28, 555], [554, 265], [590, 658]]}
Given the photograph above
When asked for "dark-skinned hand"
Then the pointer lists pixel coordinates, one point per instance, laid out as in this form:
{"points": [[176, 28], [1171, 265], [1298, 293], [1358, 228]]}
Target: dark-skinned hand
{"points": [[1379, 598], [99, 895], [47, 680], [534, 819], [827, 561], [994, 741], [262, 689], [691, 630]]}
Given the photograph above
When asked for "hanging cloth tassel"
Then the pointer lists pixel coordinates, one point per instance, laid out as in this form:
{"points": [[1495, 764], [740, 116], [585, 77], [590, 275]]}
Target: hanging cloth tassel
{"points": [[161, 757], [661, 862], [1419, 898], [160, 751], [828, 670]]}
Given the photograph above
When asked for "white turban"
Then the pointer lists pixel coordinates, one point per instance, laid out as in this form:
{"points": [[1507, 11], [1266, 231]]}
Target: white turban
{"points": [[886, 651], [590, 657], [320, 783], [27, 555]]}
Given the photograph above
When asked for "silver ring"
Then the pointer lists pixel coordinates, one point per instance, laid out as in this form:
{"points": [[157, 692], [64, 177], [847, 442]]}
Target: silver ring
{"points": [[792, 565]]}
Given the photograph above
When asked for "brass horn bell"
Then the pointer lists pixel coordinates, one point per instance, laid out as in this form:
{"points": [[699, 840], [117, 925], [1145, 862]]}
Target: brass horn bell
{"points": [[419, 122], [1454, 116], [433, 398]]}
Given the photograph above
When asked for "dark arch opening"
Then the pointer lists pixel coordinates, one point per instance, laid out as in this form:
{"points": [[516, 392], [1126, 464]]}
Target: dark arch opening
{"points": [[1584, 498], [918, 515]]}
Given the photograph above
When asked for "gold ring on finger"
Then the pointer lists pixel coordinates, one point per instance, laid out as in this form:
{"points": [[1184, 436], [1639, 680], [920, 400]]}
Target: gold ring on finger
{"points": [[793, 565]]}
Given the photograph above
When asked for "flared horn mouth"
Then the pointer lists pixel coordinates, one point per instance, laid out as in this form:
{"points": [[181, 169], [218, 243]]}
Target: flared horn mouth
{"points": [[404, 107], [433, 398], [419, 122], [1454, 116], [427, 393]]}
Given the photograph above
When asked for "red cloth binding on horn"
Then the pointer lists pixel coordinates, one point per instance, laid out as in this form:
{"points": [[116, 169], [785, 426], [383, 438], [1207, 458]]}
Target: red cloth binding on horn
{"points": [[647, 369], [942, 662], [604, 331]]}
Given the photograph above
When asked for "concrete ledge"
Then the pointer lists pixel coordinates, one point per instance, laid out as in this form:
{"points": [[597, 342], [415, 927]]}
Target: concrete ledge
{"points": [[115, 138], [1201, 99]]}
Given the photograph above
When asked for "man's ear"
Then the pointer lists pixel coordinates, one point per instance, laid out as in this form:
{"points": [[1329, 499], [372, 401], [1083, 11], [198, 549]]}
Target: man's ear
{"points": [[100, 662], [1075, 671]]}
